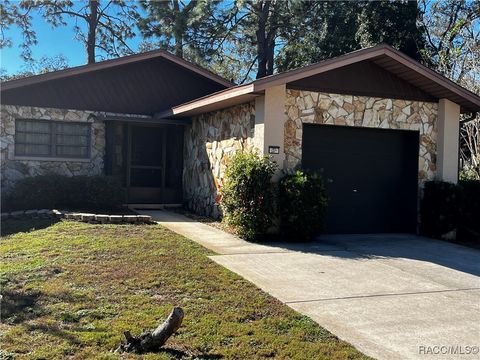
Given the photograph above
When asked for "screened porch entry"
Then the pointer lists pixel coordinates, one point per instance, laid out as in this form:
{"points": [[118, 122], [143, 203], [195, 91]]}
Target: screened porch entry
{"points": [[149, 160]]}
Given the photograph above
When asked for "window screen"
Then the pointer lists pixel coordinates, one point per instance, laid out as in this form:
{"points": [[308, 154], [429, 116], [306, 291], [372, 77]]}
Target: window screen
{"points": [[52, 139]]}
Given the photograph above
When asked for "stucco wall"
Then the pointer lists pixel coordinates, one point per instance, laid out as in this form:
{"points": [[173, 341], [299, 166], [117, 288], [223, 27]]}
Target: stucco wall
{"points": [[209, 141], [346, 110], [13, 169]]}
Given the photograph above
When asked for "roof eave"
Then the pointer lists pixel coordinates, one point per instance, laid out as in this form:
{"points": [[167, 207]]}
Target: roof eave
{"points": [[324, 66], [434, 76], [90, 68], [206, 101]]}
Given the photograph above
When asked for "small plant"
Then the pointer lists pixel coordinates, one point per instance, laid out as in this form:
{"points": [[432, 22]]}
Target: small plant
{"points": [[469, 173], [248, 200], [302, 205], [69, 317]]}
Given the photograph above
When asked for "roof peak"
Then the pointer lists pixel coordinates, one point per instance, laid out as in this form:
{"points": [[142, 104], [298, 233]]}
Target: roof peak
{"points": [[383, 54], [109, 63]]}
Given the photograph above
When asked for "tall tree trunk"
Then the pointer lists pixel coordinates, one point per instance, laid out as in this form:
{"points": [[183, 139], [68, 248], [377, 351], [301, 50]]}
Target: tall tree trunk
{"points": [[262, 9], [92, 29], [266, 32], [270, 49], [177, 31]]}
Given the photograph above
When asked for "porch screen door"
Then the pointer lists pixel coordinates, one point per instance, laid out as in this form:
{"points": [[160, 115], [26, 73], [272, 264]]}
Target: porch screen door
{"points": [[147, 164]]}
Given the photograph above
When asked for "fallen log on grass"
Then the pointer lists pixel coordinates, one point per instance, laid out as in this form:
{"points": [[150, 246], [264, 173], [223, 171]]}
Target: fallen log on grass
{"points": [[152, 341]]}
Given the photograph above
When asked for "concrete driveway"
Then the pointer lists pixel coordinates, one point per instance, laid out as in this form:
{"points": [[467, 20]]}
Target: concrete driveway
{"points": [[391, 296]]}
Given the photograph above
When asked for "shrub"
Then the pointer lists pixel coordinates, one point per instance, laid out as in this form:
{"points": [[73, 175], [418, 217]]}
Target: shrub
{"points": [[33, 193], [439, 208], [104, 192], [74, 191], [248, 200], [302, 205], [469, 206], [54, 191], [446, 207]]}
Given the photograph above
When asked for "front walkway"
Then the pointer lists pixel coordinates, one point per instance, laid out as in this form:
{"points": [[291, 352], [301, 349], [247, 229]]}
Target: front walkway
{"points": [[391, 296]]}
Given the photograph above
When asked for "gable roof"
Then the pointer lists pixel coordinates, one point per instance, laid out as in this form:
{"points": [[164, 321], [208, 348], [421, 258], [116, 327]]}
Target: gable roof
{"points": [[138, 84], [423, 81]]}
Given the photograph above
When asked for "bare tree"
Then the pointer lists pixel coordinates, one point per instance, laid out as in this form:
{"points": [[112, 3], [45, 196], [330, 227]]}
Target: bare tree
{"points": [[470, 149], [453, 48]]}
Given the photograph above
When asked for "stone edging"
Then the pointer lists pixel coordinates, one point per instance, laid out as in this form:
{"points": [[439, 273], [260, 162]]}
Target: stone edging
{"points": [[83, 217]]}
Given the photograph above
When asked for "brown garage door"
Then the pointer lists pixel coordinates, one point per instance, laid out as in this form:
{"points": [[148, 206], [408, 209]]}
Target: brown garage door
{"points": [[371, 176]]}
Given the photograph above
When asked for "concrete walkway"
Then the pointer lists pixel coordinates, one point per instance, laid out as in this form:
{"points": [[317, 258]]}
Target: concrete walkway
{"points": [[391, 296]]}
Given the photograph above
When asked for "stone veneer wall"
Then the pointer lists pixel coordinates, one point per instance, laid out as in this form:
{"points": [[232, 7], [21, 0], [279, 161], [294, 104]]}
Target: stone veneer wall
{"points": [[14, 169], [346, 110], [209, 142]]}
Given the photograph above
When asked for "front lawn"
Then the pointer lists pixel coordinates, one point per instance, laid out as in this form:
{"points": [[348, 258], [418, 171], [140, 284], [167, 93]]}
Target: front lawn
{"points": [[70, 290]]}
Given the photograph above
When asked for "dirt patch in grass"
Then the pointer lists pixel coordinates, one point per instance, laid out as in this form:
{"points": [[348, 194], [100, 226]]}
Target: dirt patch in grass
{"points": [[71, 290]]}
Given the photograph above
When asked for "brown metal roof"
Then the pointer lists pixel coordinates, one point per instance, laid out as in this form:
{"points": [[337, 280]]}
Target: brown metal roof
{"points": [[377, 71], [363, 78], [137, 84]]}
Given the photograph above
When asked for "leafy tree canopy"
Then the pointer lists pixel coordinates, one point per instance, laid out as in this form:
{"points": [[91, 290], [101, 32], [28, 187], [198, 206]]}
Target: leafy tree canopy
{"points": [[246, 39], [44, 65], [322, 30]]}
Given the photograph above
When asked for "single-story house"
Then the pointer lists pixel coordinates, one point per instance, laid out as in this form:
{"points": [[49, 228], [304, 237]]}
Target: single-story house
{"points": [[376, 123]]}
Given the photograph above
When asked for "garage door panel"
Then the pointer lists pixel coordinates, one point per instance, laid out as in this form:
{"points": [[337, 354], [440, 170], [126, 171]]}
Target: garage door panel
{"points": [[371, 176]]}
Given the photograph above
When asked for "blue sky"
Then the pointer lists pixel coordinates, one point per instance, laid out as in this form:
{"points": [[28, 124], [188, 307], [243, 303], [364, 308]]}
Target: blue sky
{"points": [[51, 42]]}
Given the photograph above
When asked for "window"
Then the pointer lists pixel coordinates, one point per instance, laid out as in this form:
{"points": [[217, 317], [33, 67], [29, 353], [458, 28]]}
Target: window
{"points": [[46, 138]]}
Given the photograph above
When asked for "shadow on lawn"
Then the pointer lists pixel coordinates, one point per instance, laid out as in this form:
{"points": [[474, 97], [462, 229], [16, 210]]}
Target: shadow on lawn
{"points": [[13, 226], [18, 306], [55, 330]]}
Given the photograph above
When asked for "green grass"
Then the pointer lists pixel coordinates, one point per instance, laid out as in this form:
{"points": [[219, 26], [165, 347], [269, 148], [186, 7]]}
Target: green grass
{"points": [[70, 290]]}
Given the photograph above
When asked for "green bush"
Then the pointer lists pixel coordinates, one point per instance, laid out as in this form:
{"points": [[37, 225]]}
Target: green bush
{"points": [[33, 193], [104, 192], [469, 206], [302, 205], [248, 201], [446, 207], [74, 190], [57, 191], [439, 208]]}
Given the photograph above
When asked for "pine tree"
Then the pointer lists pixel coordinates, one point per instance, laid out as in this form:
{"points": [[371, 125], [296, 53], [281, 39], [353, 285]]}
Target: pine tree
{"points": [[99, 24]]}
